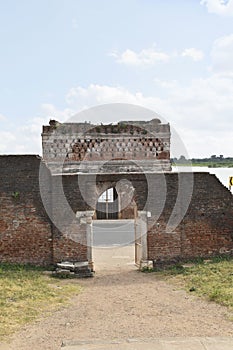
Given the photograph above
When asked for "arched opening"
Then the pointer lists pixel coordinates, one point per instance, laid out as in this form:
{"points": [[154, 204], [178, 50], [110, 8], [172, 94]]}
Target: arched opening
{"points": [[107, 206], [117, 226]]}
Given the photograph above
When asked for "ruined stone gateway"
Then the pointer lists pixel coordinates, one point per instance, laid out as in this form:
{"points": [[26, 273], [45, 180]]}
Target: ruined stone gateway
{"points": [[47, 204]]}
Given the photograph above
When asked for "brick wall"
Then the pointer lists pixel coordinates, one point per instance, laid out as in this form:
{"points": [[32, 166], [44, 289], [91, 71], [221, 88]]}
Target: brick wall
{"points": [[25, 230], [207, 227], [69, 235], [27, 235]]}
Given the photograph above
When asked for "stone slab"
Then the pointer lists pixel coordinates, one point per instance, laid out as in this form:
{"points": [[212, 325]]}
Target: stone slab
{"points": [[70, 265], [192, 343]]}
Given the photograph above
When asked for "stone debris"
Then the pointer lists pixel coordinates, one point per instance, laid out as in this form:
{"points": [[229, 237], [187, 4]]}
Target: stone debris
{"points": [[73, 269]]}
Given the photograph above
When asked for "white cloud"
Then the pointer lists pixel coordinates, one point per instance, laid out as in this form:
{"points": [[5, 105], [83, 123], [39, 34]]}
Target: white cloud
{"points": [[220, 7], [79, 98], [49, 111], [195, 54], [30, 129], [222, 54], [167, 84], [152, 56], [7, 140], [26, 139], [23, 139], [146, 57], [201, 113], [2, 117]]}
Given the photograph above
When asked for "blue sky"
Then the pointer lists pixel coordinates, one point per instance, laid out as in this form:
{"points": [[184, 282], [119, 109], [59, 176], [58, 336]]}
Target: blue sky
{"points": [[175, 57]]}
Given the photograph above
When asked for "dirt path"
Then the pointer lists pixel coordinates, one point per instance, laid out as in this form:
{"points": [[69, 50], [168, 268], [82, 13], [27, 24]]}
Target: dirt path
{"points": [[124, 303]]}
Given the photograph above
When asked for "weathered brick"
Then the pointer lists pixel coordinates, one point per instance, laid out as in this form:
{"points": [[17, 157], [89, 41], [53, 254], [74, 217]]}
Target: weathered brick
{"points": [[27, 234]]}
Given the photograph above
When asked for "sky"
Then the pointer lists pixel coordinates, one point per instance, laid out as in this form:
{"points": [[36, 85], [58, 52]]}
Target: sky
{"points": [[174, 57]]}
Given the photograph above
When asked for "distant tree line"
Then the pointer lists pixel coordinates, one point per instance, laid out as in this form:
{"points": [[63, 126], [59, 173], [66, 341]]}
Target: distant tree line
{"points": [[214, 161]]}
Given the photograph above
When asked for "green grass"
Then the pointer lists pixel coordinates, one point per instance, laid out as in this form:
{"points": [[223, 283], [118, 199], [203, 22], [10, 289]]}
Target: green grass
{"points": [[212, 279], [27, 293]]}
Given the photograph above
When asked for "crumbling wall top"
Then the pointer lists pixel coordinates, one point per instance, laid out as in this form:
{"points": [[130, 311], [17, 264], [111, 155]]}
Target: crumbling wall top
{"points": [[147, 142], [122, 127]]}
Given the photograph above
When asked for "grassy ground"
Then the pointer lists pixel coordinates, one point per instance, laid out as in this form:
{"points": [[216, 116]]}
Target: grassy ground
{"points": [[26, 293], [212, 279]]}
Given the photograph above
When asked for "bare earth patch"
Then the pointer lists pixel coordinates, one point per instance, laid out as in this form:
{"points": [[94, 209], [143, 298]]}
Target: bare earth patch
{"points": [[124, 303]]}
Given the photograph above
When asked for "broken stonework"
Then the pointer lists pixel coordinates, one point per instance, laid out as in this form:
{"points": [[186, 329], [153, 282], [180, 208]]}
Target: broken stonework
{"points": [[76, 269]]}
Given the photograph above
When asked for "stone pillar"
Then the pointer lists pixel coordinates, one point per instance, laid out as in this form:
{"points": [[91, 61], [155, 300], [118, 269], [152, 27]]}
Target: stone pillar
{"points": [[89, 241], [85, 217], [142, 216]]}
